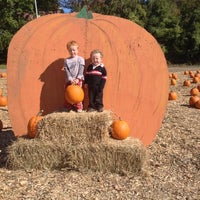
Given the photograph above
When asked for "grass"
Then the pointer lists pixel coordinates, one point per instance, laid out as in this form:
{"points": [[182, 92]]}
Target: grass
{"points": [[2, 66]]}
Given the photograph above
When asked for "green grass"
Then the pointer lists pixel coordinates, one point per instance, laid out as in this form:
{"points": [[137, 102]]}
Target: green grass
{"points": [[2, 66]]}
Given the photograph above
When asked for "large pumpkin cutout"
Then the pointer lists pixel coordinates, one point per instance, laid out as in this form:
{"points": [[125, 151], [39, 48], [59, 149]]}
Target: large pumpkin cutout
{"points": [[137, 84]]}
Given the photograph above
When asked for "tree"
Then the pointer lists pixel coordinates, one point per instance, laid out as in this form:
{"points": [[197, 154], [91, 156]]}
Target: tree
{"points": [[163, 22], [188, 44], [14, 14]]}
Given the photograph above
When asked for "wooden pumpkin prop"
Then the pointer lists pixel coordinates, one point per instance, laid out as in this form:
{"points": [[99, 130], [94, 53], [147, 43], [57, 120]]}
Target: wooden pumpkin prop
{"points": [[133, 64], [32, 125], [120, 129], [74, 94]]}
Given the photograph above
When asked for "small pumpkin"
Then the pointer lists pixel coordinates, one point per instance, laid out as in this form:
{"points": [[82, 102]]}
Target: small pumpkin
{"points": [[3, 101], [197, 104], [195, 79], [172, 95], [187, 83], [174, 76], [120, 129], [74, 94], [193, 100], [194, 91], [32, 125], [186, 72], [1, 125], [3, 75], [173, 81]]}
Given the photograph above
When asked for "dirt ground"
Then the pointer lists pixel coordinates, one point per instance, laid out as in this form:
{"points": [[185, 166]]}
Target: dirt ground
{"points": [[172, 171]]}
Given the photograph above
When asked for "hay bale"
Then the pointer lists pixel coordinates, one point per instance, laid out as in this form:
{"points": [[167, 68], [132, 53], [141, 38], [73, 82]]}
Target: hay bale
{"points": [[116, 156], [124, 156], [34, 154], [75, 128]]}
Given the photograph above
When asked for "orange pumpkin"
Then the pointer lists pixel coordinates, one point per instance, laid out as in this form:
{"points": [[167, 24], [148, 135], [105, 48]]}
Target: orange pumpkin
{"points": [[194, 91], [172, 95], [111, 34], [1, 125], [195, 79], [120, 129], [193, 100], [197, 104], [3, 101], [186, 83], [174, 76], [32, 125], [173, 81], [3, 75], [74, 94], [186, 72]]}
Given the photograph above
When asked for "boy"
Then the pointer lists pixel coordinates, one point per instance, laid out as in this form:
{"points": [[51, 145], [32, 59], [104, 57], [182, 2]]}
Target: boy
{"points": [[74, 67], [95, 80]]}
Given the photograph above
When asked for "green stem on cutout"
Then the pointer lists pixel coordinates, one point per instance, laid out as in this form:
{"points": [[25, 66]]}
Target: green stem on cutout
{"points": [[85, 13]]}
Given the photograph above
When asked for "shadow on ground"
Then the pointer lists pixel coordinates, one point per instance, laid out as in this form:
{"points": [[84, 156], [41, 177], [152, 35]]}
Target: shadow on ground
{"points": [[7, 137]]}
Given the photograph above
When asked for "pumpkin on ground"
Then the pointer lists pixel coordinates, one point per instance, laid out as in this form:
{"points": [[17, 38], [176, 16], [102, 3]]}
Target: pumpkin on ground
{"points": [[3, 101], [3, 75], [32, 125], [193, 100], [194, 91], [120, 129], [74, 94], [195, 79], [112, 35], [172, 95], [173, 81], [187, 83], [197, 104]]}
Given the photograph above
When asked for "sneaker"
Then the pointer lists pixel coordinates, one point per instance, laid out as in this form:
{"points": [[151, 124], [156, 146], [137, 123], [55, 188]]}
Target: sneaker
{"points": [[91, 110]]}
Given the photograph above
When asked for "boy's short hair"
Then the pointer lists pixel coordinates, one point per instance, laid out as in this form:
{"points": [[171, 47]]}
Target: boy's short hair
{"points": [[71, 43], [96, 51]]}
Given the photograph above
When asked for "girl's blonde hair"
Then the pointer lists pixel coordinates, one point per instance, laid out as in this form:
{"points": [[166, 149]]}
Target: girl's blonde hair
{"points": [[96, 51], [71, 43]]}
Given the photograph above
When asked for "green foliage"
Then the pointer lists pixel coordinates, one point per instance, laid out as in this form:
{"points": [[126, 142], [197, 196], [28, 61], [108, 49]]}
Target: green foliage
{"points": [[174, 23]]}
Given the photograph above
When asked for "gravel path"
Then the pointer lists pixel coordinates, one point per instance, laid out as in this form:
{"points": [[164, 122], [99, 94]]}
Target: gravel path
{"points": [[172, 172]]}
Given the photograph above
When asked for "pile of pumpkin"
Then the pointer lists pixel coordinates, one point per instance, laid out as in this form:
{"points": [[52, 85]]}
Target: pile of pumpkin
{"points": [[75, 94], [192, 77]]}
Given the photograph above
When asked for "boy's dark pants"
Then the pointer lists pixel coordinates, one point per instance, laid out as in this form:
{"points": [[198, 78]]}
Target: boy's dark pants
{"points": [[95, 98]]}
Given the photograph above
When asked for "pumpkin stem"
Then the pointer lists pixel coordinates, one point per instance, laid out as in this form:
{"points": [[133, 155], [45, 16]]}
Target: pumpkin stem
{"points": [[40, 113], [85, 13]]}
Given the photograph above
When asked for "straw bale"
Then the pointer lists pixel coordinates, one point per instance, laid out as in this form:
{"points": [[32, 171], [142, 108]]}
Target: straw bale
{"points": [[34, 154], [124, 156], [116, 156], [73, 128]]}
